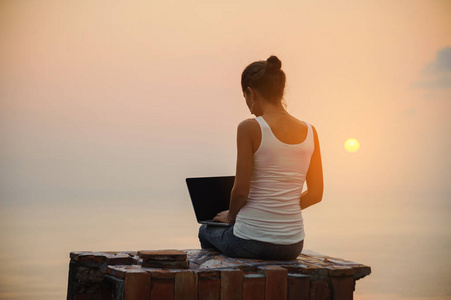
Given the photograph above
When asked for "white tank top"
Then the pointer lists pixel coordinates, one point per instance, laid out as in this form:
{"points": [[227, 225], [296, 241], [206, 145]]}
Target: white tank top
{"points": [[272, 212]]}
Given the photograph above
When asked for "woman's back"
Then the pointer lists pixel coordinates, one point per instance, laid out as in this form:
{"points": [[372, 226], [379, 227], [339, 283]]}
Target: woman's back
{"points": [[280, 163], [287, 128]]}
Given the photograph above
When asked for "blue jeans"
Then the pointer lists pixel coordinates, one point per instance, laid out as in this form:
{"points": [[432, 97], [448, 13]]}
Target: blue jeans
{"points": [[222, 239]]}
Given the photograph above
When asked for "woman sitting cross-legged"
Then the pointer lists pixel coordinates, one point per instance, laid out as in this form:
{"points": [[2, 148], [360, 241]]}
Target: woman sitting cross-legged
{"points": [[276, 154]]}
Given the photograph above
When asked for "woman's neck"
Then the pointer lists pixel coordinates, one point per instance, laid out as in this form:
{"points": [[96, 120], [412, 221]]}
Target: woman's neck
{"points": [[269, 108]]}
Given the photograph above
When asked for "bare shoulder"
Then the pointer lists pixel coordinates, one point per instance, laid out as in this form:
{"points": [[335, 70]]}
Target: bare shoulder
{"points": [[313, 127], [314, 130], [315, 136], [248, 126], [298, 122], [315, 133]]}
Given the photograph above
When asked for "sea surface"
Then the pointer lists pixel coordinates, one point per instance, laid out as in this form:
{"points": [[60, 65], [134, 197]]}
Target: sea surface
{"points": [[405, 240]]}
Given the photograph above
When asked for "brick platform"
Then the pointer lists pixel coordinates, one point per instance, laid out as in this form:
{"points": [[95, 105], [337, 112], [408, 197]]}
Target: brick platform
{"points": [[211, 275]]}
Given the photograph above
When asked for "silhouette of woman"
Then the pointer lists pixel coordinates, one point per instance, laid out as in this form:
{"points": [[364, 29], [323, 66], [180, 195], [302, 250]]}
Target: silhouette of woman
{"points": [[276, 154]]}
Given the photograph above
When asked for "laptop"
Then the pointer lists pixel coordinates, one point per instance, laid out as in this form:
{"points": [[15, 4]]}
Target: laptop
{"points": [[210, 196]]}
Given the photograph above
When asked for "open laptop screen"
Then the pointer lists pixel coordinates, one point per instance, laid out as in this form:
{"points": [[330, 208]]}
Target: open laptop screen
{"points": [[210, 195]]}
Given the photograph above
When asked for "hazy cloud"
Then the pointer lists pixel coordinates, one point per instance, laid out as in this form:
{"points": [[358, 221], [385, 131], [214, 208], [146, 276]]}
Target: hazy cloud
{"points": [[437, 74]]}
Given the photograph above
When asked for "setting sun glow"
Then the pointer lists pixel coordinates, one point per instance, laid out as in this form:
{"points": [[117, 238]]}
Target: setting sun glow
{"points": [[352, 145]]}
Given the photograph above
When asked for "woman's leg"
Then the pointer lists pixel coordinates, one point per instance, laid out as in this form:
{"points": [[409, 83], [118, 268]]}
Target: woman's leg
{"points": [[203, 239], [212, 237], [262, 250], [223, 240]]}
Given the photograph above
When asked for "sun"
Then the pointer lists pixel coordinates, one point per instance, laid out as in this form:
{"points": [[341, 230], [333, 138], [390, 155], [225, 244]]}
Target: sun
{"points": [[352, 145]]}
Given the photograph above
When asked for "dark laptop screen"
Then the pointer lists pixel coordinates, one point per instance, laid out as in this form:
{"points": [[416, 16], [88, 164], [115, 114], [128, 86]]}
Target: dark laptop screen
{"points": [[210, 195]]}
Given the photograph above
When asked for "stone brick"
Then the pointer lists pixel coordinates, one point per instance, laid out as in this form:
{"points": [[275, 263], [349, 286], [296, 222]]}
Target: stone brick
{"points": [[129, 253], [103, 293], [162, 284], [220, 261], [298, 287], [185, 285], [118, 259], [341, 271], [120, 271], [107, 294], [342, 287], [314, 272], [117, 287], [165, 264], [254, 287], [137, 285], [319, 290], [161, 273], [198, 254], [89, 275], [231, 284], [74, 254], [276, 282], [209, 285], [167, 255], [91, 257], [162, 289], [361, 271], [208, 274], [85, 297]]}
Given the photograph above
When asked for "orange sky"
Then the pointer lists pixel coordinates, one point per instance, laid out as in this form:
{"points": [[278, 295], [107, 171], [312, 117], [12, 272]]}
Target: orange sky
{"points": [[83, 79], [123, 100]]}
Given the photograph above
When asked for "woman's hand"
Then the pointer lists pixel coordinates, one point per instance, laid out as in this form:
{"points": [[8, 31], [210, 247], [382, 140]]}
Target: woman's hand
{"points": [[223, 217]]}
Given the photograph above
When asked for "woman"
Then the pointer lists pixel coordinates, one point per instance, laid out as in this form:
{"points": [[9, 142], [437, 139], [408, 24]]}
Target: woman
{"points": [[276, 154]]}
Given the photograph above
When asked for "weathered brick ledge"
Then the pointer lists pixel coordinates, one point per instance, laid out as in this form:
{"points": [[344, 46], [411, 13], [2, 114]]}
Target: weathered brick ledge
{"points": [[211, 275]]}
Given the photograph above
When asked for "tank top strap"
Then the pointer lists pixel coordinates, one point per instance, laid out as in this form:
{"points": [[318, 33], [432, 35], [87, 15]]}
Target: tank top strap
{"points": [[265, 130], [309, 136], [262, 122]]}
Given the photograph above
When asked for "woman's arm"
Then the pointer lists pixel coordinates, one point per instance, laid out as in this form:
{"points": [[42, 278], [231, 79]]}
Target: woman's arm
{"points": [[240, 190], [314, 192]]}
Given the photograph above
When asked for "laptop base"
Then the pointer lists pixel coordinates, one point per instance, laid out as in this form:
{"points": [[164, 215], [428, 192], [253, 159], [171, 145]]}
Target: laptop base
{"points": [[215, 223]]}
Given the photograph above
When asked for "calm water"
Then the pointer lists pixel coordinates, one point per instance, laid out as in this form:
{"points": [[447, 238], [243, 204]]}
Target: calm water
{"points": [[406, 241]]}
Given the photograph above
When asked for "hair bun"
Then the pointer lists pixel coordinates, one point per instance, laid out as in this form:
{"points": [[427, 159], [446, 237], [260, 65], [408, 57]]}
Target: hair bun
{"points": [[273, 63]]}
